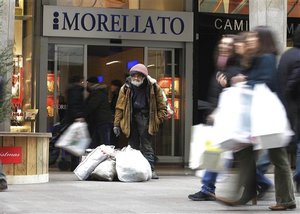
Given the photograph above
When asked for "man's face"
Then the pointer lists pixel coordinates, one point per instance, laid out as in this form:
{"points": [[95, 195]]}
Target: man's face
{"points": [[137, 79]]}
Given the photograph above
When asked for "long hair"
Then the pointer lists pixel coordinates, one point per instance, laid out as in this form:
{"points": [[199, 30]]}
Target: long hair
{"points": [[266, 39]]}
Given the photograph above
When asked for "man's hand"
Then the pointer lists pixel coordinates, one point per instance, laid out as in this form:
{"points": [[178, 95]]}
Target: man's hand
{"points": [[117, 131]]}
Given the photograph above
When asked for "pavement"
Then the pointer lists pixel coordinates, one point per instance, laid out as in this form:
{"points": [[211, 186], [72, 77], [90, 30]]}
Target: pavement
{"points": [[64, 193]]}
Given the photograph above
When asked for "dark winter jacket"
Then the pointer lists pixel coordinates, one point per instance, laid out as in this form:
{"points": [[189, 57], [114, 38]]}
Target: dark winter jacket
{"points": [[97, 105], [75, 102], [289, 81], [155, 101]]}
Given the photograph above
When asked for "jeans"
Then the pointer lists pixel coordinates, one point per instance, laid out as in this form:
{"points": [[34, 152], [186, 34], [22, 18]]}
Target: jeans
{"points": [[101, 134], [140, 139], [262, 165], [2, 175], [209, 181], [297, 171]]}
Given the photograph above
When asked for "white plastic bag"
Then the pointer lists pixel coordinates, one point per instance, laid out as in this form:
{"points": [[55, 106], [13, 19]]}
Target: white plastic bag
{"points": [[232, 121], [132, 166], [270, 125], [105, 171], [75, 139], [203, 154], [93, 159]]}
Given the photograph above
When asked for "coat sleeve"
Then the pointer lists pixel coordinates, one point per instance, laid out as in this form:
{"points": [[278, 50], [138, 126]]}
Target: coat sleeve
{"points": [[120, 106], [161, 104]]}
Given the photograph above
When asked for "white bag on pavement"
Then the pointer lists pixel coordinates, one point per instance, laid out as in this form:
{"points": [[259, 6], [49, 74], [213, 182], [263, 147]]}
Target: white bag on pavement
{"points": [[75, 139], [94, 158], [132, 166], [105, 171]]}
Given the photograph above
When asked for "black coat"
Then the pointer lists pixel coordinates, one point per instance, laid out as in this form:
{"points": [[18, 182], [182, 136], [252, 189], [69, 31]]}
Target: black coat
{"points": [[75, 102], [289, 85], [98, 106]]}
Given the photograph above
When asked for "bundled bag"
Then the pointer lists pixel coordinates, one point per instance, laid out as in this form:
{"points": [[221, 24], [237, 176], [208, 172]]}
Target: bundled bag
{"points": [[203, 154], [232, 119], [132, 166], [105, 171], [75, 139], [93, 159], [270, 125]]}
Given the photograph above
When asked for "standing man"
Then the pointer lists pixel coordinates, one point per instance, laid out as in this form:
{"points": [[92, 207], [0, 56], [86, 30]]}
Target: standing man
{"points": [[139, 111], [289, 92], [99, 115], [3, 183]]}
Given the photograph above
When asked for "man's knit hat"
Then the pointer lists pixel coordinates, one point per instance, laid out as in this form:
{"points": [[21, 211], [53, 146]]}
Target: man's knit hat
{"points": [[139, 68]]}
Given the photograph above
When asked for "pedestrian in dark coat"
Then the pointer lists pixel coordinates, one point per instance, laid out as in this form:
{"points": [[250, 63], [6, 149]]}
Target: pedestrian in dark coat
{"points": [[289, 92], [99, 115]]}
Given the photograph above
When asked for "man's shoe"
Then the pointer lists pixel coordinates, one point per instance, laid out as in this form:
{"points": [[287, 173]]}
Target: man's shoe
{"points": [[200, 196], [3, 185], [154, 175], [279, 207]]}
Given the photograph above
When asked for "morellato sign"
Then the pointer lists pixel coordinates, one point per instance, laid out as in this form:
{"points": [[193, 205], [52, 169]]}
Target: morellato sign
{"points": [[10, 154], [117, 24]]}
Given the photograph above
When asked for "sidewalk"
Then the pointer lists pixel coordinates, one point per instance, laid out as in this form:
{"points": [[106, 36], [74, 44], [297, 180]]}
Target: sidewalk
{"points": [[65, 194]]}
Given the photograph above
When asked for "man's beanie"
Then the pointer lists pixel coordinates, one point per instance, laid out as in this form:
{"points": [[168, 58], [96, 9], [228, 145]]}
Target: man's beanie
{"points": [[140, 68]]}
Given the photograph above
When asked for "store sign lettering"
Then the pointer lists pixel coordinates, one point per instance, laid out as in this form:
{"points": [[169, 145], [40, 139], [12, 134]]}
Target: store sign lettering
{"points": [[10, 155], [231, 24], [119, 24]]}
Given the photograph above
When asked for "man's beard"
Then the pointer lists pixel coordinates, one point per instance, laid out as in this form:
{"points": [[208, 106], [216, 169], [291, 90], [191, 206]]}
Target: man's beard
{"points": [[137, 83]]}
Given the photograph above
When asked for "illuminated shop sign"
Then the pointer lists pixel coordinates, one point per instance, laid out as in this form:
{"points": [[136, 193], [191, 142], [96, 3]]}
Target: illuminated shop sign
{"points": [[117, 24]]}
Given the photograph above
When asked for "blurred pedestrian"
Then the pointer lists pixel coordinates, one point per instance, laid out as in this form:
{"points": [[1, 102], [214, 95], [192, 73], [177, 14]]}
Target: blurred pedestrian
{"points": [[224, 60], [260, 67], [289, 92], [74, 112], [99, 116], [140, 110], [3, 182]]}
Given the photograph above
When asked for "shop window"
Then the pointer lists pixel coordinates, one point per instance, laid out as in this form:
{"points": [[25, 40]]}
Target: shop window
{"points": [[23, 112]]}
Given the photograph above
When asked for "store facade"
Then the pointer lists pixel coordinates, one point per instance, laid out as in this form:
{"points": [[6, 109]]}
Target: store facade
{"points": [[60, 39]]}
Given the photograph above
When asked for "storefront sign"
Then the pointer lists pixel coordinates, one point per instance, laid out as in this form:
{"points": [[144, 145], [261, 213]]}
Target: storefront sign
{"points": [[9, 154], [117, 24]]}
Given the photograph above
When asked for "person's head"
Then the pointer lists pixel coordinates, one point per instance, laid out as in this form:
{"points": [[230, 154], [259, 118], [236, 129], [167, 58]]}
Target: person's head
{"points": [[266, 40], [296, 37], [138, 73], [240, 43], [225, 46], [115, 85], [76, 79], [224, 51], [91, 81]]}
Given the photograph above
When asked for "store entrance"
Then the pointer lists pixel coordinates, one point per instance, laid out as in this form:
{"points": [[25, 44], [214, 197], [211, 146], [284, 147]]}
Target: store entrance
{"points": [[111, 63]]}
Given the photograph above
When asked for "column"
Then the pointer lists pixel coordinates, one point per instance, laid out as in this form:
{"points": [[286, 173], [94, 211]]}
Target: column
{"points": [[272, 13], [7, 17]]}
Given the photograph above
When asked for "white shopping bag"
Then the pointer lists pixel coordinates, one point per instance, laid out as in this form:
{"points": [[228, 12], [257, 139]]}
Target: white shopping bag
{"points": [[132, 166], [232, 121], [270, 125], [92, 160], [203, 154], [75, 139], [105, 171]]}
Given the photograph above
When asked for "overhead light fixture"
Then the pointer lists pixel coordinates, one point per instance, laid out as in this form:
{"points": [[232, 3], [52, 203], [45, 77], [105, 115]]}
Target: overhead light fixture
{"points": [[112, 62], [151, 65]]}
